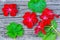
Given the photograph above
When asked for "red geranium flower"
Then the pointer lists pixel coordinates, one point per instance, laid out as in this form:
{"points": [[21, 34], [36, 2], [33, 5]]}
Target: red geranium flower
{"points": [[48, 13], [30, 19], [10, 8], [45, 19], [40, 27], [47, 16]]}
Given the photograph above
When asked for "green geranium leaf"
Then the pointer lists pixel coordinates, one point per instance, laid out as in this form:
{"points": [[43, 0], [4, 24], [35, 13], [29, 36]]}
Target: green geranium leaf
{"points": [[20, 33], [12, 25], [14, 30], [19, 27], [54, 24], [37, 5], [11, 34], [40, 34], [50, 36]]}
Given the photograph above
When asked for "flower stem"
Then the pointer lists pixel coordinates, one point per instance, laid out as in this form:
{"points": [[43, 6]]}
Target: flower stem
{"points": [[14, 38], [56, 31]]}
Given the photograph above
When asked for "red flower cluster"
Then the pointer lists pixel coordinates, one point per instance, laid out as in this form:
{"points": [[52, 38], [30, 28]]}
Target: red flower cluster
{"points": [[10, 8], [46, 18], [30, 19]]}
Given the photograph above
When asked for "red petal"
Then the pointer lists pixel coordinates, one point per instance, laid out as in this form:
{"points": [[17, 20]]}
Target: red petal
{"points": [[6, 6], [43, 31], [13, 6], [26, 15], [33, 15], [37, 31], [30, 25]]}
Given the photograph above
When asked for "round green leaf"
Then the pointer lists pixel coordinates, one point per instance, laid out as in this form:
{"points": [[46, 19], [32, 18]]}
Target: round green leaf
{"points": [[37, 5], [14, 30]]}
